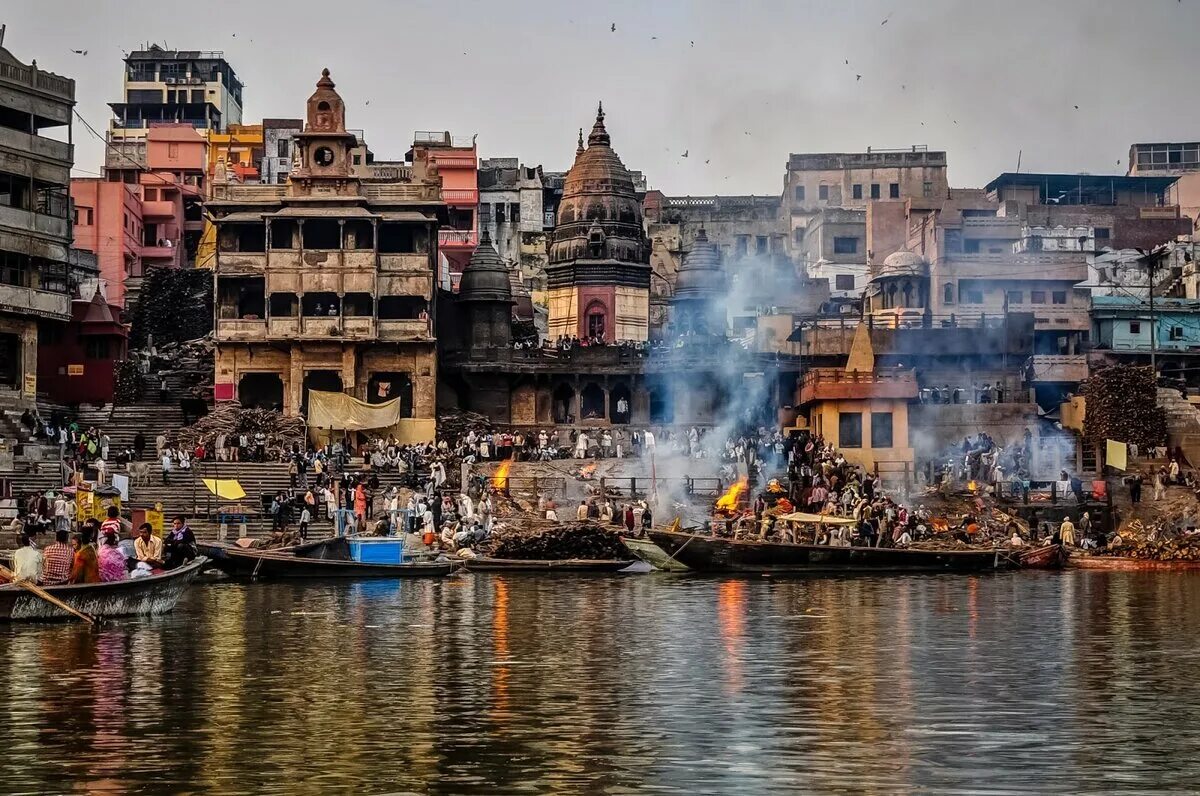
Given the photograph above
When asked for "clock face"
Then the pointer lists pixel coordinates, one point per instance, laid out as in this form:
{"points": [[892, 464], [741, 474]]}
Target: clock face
{"points": [[323, 156]]}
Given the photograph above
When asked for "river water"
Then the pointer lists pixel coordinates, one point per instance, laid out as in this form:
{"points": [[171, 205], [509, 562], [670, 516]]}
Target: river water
{"points": [[480, 684]]}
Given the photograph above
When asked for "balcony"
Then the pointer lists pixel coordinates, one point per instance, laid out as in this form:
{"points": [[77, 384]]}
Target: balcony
{"points": [[455, 161], [459, 197], [35, 78], [36, 145], [161, 252], [1058, 367], [28, 221], [28, 301], [1057, 266], [406, 329], [824, 384], [241, 329], [158, 209], [458, 238]]}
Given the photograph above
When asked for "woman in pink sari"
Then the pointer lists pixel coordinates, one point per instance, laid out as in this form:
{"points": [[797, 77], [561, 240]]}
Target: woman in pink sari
{"points": [[112, 560]]}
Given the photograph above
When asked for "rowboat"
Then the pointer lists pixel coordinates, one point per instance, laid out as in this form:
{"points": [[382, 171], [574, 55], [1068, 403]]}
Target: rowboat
{"points": [[1051, 556], [717, 554], [321, 562], [652, 554], [151, 595], [560, 565]]}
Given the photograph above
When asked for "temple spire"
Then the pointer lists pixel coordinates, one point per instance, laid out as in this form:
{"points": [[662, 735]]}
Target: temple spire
{"points": [[579, 149], [599, 134]]}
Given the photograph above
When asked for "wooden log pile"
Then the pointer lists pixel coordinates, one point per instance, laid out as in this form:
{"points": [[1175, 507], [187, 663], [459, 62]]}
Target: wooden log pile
{"points": [[1122, 405], [453, 425], [546, 540], [1153, 543], [230, 418]]}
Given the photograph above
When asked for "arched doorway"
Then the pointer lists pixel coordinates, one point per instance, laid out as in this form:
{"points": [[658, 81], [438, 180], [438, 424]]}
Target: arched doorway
{"points": [[620, 404], [563, 404], [385, 386], [591, 402], [321, 380], [596, 319], [261, 391], [662, 404]]}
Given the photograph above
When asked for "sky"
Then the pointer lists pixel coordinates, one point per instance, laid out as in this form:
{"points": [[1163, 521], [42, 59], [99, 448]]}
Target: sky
{"points": [[1067, 84]]}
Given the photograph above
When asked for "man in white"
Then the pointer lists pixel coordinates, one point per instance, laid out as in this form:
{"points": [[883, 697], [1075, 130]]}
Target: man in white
{"points": [[648, 440], [27, 561], [581, 446]]}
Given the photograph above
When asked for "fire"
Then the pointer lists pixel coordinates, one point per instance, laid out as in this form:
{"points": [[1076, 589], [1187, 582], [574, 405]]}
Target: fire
{"points": [[500, 477], [729, 501], [972, 486], [587, 470]]}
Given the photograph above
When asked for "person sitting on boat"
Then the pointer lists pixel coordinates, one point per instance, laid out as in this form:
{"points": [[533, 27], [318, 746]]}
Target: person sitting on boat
{"points": [[904, 539], [85, 568], [57, 559], [148, 548], [180, 545], [1016, 540], [27, 560], [111, 560]]}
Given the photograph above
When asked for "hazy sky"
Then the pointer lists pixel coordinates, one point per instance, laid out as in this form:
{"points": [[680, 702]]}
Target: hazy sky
{"points": [[737, 85]]}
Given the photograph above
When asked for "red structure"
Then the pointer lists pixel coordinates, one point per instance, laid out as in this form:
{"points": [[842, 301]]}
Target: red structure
{"points": [[76, 361]]}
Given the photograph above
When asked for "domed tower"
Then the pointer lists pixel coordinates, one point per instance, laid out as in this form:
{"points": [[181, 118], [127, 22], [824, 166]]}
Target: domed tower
{"points": [[324, 147], [486, 295], [901, 286], [599, 266], [696, 304]]}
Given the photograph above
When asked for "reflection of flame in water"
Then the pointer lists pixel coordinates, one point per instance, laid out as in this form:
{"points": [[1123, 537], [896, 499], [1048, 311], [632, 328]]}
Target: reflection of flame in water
{"points": [[500, 647], [729, 501], [500, 477], [731, 617]]}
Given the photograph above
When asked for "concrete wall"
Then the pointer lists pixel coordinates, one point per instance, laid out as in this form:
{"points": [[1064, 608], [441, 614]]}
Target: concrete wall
{"points": [[823, 419]]}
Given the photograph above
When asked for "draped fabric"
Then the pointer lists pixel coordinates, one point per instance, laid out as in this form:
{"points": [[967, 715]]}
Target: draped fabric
{"points": [[341, 412]]}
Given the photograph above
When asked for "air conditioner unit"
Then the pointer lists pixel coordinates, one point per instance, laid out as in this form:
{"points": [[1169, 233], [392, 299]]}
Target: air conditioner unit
{"points": [[170, 81], [197, 81]]}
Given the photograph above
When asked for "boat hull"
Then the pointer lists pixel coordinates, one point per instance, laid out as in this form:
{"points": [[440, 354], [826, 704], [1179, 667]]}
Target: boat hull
{"points": [[156, 594], [562, 565], [715, 554], [272, 565], [652, 554], [1052, 556], [1121, 564]]}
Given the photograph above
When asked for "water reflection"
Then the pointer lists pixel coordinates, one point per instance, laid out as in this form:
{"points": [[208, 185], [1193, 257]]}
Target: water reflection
{"points": [[487, 685]]}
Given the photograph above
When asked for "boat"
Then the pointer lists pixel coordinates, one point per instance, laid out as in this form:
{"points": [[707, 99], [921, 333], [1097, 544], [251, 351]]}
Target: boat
{"points": [[652, 554], [340, 557], [151, 595], [484, 564], [1126, 564], [1051, 556], [717, 554]]}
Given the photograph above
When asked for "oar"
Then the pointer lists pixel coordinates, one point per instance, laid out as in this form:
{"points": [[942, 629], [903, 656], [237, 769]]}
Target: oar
{"points": [[45, 595]]}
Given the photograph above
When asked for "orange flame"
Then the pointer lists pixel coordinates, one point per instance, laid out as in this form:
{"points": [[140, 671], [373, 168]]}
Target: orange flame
{"points": [[587, 470], [971, 485], [729, 501], [500, 477]]}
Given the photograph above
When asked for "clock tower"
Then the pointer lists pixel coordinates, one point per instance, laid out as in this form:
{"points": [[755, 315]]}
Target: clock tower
{"points": [[324, 147]]}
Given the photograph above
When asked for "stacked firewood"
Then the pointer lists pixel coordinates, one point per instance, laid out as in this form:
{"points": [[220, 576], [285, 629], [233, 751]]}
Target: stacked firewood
{"points": [[230, 418], [1154, 543], [546, 540], [1122, 405], [453, 425]]}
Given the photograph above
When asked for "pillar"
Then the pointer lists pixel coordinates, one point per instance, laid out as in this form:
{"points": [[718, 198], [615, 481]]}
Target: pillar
{"points": [[349, 376], [294, 389]]}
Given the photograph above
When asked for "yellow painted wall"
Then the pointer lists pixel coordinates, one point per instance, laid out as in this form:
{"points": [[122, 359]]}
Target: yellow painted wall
{"points": [[563, 306], [633, 314], [823, 420], [1072, 413]]}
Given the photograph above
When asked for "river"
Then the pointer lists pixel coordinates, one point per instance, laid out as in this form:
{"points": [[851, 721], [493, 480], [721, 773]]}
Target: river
{"points": [[479, 684]]}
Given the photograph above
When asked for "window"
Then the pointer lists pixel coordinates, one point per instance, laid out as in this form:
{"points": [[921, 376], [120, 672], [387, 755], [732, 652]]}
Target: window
{"points": [[849, 430], [83, 216], [894, 190], [974, 296], [96, 348], [845, 245], [1176, 333], [514, 212], [1059, 297], [927, 190], [1037, 297], [760, 244], [823, 193], [14, 191], [970, 246], [172, 150], [358, 160], [843, 282], [1015, 296], [281, 148], [798, 234], [856, 190], [948, 294], [1135, 327], [799, 193], [1102, 236], [874, 190], [740, 245], [881, 429]]}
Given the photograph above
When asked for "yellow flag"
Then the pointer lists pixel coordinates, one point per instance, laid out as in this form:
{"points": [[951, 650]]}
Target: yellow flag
{"points": [[1115, 454]]}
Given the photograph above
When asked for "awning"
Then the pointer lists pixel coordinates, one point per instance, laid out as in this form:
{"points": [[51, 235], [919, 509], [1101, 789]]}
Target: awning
{"points": [[256, 218], [815, 519], [404, 215], [292, 211], [342, 412], [226, 489]]}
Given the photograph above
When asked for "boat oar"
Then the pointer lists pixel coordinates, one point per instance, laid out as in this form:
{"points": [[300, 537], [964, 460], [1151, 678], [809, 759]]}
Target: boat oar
{"points": [[33, 588], [679, 549]]}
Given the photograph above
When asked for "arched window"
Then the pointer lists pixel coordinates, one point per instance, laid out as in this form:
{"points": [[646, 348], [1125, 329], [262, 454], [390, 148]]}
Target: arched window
{"points": [[322, 105], [948, 293], [596, 320]]}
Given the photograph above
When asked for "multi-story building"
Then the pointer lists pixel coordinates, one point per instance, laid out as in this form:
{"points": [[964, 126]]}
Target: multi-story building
{"points": [[834, 249], [108, 223], [234, 154], [326, 282], [1180, 160], [196, 88], [455, 159], [35, 223], [278, 135], [511, 210]]}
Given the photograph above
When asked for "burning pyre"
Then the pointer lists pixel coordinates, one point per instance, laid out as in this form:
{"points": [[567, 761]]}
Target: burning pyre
{"points": [[500, 477], [733, 496]]}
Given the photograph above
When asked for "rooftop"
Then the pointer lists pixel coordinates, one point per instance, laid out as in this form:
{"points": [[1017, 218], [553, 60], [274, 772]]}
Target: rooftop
{"points": [[156, 53], [917, 154], [1080, 184]]}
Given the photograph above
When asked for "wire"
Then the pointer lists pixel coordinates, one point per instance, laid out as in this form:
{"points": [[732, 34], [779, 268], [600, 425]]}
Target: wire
{"points": [[104, 139]]}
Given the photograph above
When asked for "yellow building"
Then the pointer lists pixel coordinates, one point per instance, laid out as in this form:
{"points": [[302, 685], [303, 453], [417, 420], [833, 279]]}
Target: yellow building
{"points": [[233, 156]]}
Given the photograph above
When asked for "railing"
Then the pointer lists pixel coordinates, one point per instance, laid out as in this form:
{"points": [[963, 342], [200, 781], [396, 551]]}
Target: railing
{"points": [[458, 237], [38, 79], [456, 196]]}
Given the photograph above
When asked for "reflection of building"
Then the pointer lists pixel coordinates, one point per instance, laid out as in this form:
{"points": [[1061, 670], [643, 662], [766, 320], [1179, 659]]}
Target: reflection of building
{"points": [[35, 224], [196, 88], [325, 282]]}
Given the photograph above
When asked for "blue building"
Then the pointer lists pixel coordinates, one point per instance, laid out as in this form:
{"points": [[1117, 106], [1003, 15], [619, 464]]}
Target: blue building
{"points": [[1123, 324]]}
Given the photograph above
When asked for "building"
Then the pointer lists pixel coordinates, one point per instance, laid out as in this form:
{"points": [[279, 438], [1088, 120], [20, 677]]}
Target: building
{"points": [[278, 135], [191, 87], [77, 361], [1181, 161], [455, 159], [35, 218], [108, 223], [834, 249], [234, 155], [325, 282], [511, 210]]}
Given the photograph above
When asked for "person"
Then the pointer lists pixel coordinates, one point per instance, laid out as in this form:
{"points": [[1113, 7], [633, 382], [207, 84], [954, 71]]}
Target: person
{"points": [[581, 513], [1066, 532], [85, 568], [551, 511], [166, 466], [1016, 540], [61, 522], [628, 516], [180, 545], [305, 519], [27, 560], [1135, 488], [581, 446], [139, 444], [162, 388], [57, 559], [1160, 487], [647, 520], [111, 560], [148, 548], [112, 522]]}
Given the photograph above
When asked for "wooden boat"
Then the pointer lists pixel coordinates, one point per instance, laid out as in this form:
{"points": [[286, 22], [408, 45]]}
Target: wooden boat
{"points": [[319, 563], [1123, 564], [652, 554], [484, 564], [155, 594], [717, 554], [1051, 556]]}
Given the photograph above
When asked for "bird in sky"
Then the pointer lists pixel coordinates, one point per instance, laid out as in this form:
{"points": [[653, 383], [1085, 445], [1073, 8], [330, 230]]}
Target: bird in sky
{"points": [[685, 152], [613, 29], [1076, 107], [885, 19], [706, 162], [857, 78], [79, 52]]}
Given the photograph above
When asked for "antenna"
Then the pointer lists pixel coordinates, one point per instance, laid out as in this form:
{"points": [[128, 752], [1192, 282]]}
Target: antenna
{"points": [[2, 29], [1019, 152]]}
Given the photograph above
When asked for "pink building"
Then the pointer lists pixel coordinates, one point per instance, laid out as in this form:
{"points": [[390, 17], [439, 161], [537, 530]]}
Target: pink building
{"points": [[109, 222]]}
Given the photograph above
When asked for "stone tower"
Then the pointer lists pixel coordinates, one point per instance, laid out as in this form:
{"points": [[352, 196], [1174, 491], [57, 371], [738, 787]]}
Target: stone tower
{"points": [[598, 273], [697, 304], [486, 296], [324, 147]]}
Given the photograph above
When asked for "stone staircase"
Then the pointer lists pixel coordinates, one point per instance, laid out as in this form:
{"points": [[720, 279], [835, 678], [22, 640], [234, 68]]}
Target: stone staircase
{"points": [[122, 423]]}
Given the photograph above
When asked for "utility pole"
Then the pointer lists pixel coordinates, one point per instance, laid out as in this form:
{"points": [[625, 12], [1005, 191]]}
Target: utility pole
{"points": [[1153, 330]]}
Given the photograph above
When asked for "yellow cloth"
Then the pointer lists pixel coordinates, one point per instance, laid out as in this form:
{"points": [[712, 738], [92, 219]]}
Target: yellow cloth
{"points": [[826, 519], [339, 411], [1116, 454], [225, 489]]}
